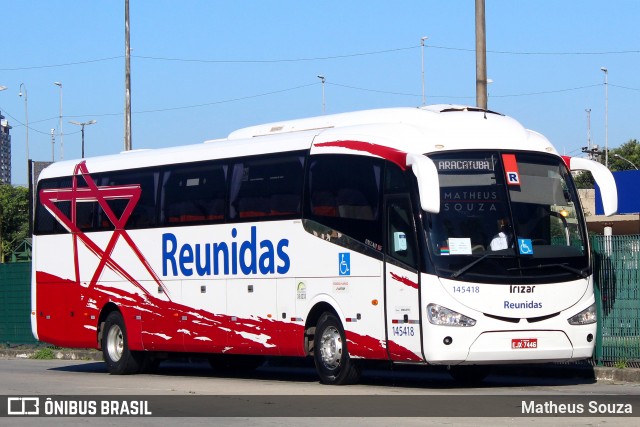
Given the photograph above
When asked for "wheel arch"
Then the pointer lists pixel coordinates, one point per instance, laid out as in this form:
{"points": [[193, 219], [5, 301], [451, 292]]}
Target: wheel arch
{"points": [[316, 311], [106, 310]]}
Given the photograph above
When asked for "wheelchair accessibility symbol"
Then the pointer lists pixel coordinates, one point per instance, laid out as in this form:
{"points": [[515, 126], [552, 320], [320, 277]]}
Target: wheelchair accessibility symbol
{"points": [[525, 246], [344, 259]]}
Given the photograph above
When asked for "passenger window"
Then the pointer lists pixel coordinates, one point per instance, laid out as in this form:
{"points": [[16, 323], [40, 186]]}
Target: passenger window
{"points": [[45, 222], [194, 194], [266, 187], [144, 212]]}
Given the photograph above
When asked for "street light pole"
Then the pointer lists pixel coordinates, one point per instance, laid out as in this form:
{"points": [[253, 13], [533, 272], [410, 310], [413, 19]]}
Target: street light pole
{"points": [[422, 40], [53, 143], [618, 156], [60, 121], [481, 56], [588, 110], [127, 80], [82, 125], [606, 116], [322, 79], [26, 115]]}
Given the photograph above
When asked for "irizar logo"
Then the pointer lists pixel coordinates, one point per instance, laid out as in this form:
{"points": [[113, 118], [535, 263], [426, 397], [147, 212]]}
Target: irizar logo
{"points": [[215, 258]]}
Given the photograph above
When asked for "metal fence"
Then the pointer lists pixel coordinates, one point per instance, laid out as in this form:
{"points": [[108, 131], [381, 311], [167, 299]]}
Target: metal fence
{"points": [[617, 287], [15, 303]]}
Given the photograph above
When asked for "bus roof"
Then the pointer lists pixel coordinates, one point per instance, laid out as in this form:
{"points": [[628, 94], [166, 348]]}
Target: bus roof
{"points": [[418, 130]]}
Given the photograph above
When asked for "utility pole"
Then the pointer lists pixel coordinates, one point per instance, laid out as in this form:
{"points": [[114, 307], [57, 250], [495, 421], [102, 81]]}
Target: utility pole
{"points": [[53, 143], [588, 110], [606, 116], [127, 80], [322, 79], [422, 40], [481, 57]]}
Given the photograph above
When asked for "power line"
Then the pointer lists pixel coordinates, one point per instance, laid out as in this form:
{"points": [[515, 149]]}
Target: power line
{"points": [[511, 52], [318, 58], [159, 110], [254, 61], [624, 87], [465, 97], [225, 101], [214, 61], [34, 67]]}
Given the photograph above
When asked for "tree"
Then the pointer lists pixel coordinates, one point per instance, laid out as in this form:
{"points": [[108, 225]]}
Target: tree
{"points": [[14, 218], [629, 152], [584, 179]]}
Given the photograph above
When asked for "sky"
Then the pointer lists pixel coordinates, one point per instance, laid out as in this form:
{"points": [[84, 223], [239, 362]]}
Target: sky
{"points": [[203, 68]]}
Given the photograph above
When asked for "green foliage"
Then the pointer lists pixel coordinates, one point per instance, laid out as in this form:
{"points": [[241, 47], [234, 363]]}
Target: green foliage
{"points": [[44, 354], [629, 152], [14, 218], [620, 364], [584, 180]]}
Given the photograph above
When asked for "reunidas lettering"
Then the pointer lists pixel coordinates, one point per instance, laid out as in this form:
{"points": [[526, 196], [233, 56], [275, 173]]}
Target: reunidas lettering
{"points": [[526, 304], [215, 258]]}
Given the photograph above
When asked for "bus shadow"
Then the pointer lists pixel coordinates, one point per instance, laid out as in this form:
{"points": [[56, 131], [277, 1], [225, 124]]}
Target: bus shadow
{"points": [[374, 374]]}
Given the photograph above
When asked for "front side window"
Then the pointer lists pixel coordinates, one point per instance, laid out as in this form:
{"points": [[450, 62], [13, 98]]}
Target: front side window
{"points": [[504, 216], [344, 193]]}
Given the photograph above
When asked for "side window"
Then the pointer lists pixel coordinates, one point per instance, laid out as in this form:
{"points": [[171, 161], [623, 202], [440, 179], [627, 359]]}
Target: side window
{"points": [[45, 222], [395, 180], [87, 210], [401, 244], [266, 187], [144, 212], [344, 193], [194, 194]]}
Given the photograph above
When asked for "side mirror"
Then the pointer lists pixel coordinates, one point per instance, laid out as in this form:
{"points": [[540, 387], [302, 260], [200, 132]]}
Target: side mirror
{"points": [[604, 179], [428, 183]]}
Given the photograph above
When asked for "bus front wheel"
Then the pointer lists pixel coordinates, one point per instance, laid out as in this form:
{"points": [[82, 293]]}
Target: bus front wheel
{"points": [[333, 364], [115, 349]]}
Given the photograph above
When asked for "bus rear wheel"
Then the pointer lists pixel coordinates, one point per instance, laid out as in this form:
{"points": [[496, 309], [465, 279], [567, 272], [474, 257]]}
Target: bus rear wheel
{"points": [[115, 348], [333, 364]]}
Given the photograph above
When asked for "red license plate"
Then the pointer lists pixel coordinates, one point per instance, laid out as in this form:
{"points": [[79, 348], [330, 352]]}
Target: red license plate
{"points": [[522, 343]]}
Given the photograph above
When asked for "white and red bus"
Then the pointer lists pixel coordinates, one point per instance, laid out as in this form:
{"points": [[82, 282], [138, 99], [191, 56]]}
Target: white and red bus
{"points": [[439, 235]]}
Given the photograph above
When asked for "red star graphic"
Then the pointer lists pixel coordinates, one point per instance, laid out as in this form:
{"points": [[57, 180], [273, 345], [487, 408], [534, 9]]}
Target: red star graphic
{"points": [[101, 195]]}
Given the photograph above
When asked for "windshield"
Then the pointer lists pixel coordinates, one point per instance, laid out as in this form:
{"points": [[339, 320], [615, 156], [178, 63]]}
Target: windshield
{"points": [[506, 217]]}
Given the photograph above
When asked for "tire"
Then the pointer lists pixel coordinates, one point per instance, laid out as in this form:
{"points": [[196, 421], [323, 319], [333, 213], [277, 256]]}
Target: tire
{"points": [[469, 374], [115, 348], [333, 364]]}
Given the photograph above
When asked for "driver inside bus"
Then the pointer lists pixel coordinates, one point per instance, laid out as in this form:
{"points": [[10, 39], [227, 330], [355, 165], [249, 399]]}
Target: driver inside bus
{"points": [[503, 239]]}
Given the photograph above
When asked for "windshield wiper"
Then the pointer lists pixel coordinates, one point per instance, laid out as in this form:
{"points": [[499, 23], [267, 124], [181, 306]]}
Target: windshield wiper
{"points": [[474, 263], [584, 273]]}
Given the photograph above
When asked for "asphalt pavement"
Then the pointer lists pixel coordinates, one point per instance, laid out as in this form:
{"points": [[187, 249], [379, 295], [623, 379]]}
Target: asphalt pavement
{"points": [[548, 370]]}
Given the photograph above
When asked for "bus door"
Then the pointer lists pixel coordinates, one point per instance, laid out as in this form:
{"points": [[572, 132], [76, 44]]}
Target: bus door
{"points": [[402, 282]]}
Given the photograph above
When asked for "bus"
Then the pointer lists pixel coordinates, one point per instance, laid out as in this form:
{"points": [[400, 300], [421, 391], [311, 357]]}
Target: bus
{"points": [[439, 235]]}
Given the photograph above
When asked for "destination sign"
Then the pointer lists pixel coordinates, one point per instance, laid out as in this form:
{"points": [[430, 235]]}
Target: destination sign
{"points": [[465, 165]]}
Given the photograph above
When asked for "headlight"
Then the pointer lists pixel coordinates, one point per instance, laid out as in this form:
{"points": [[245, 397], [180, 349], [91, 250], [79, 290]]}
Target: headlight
{"points": [[439, 315], [585, 317]]}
